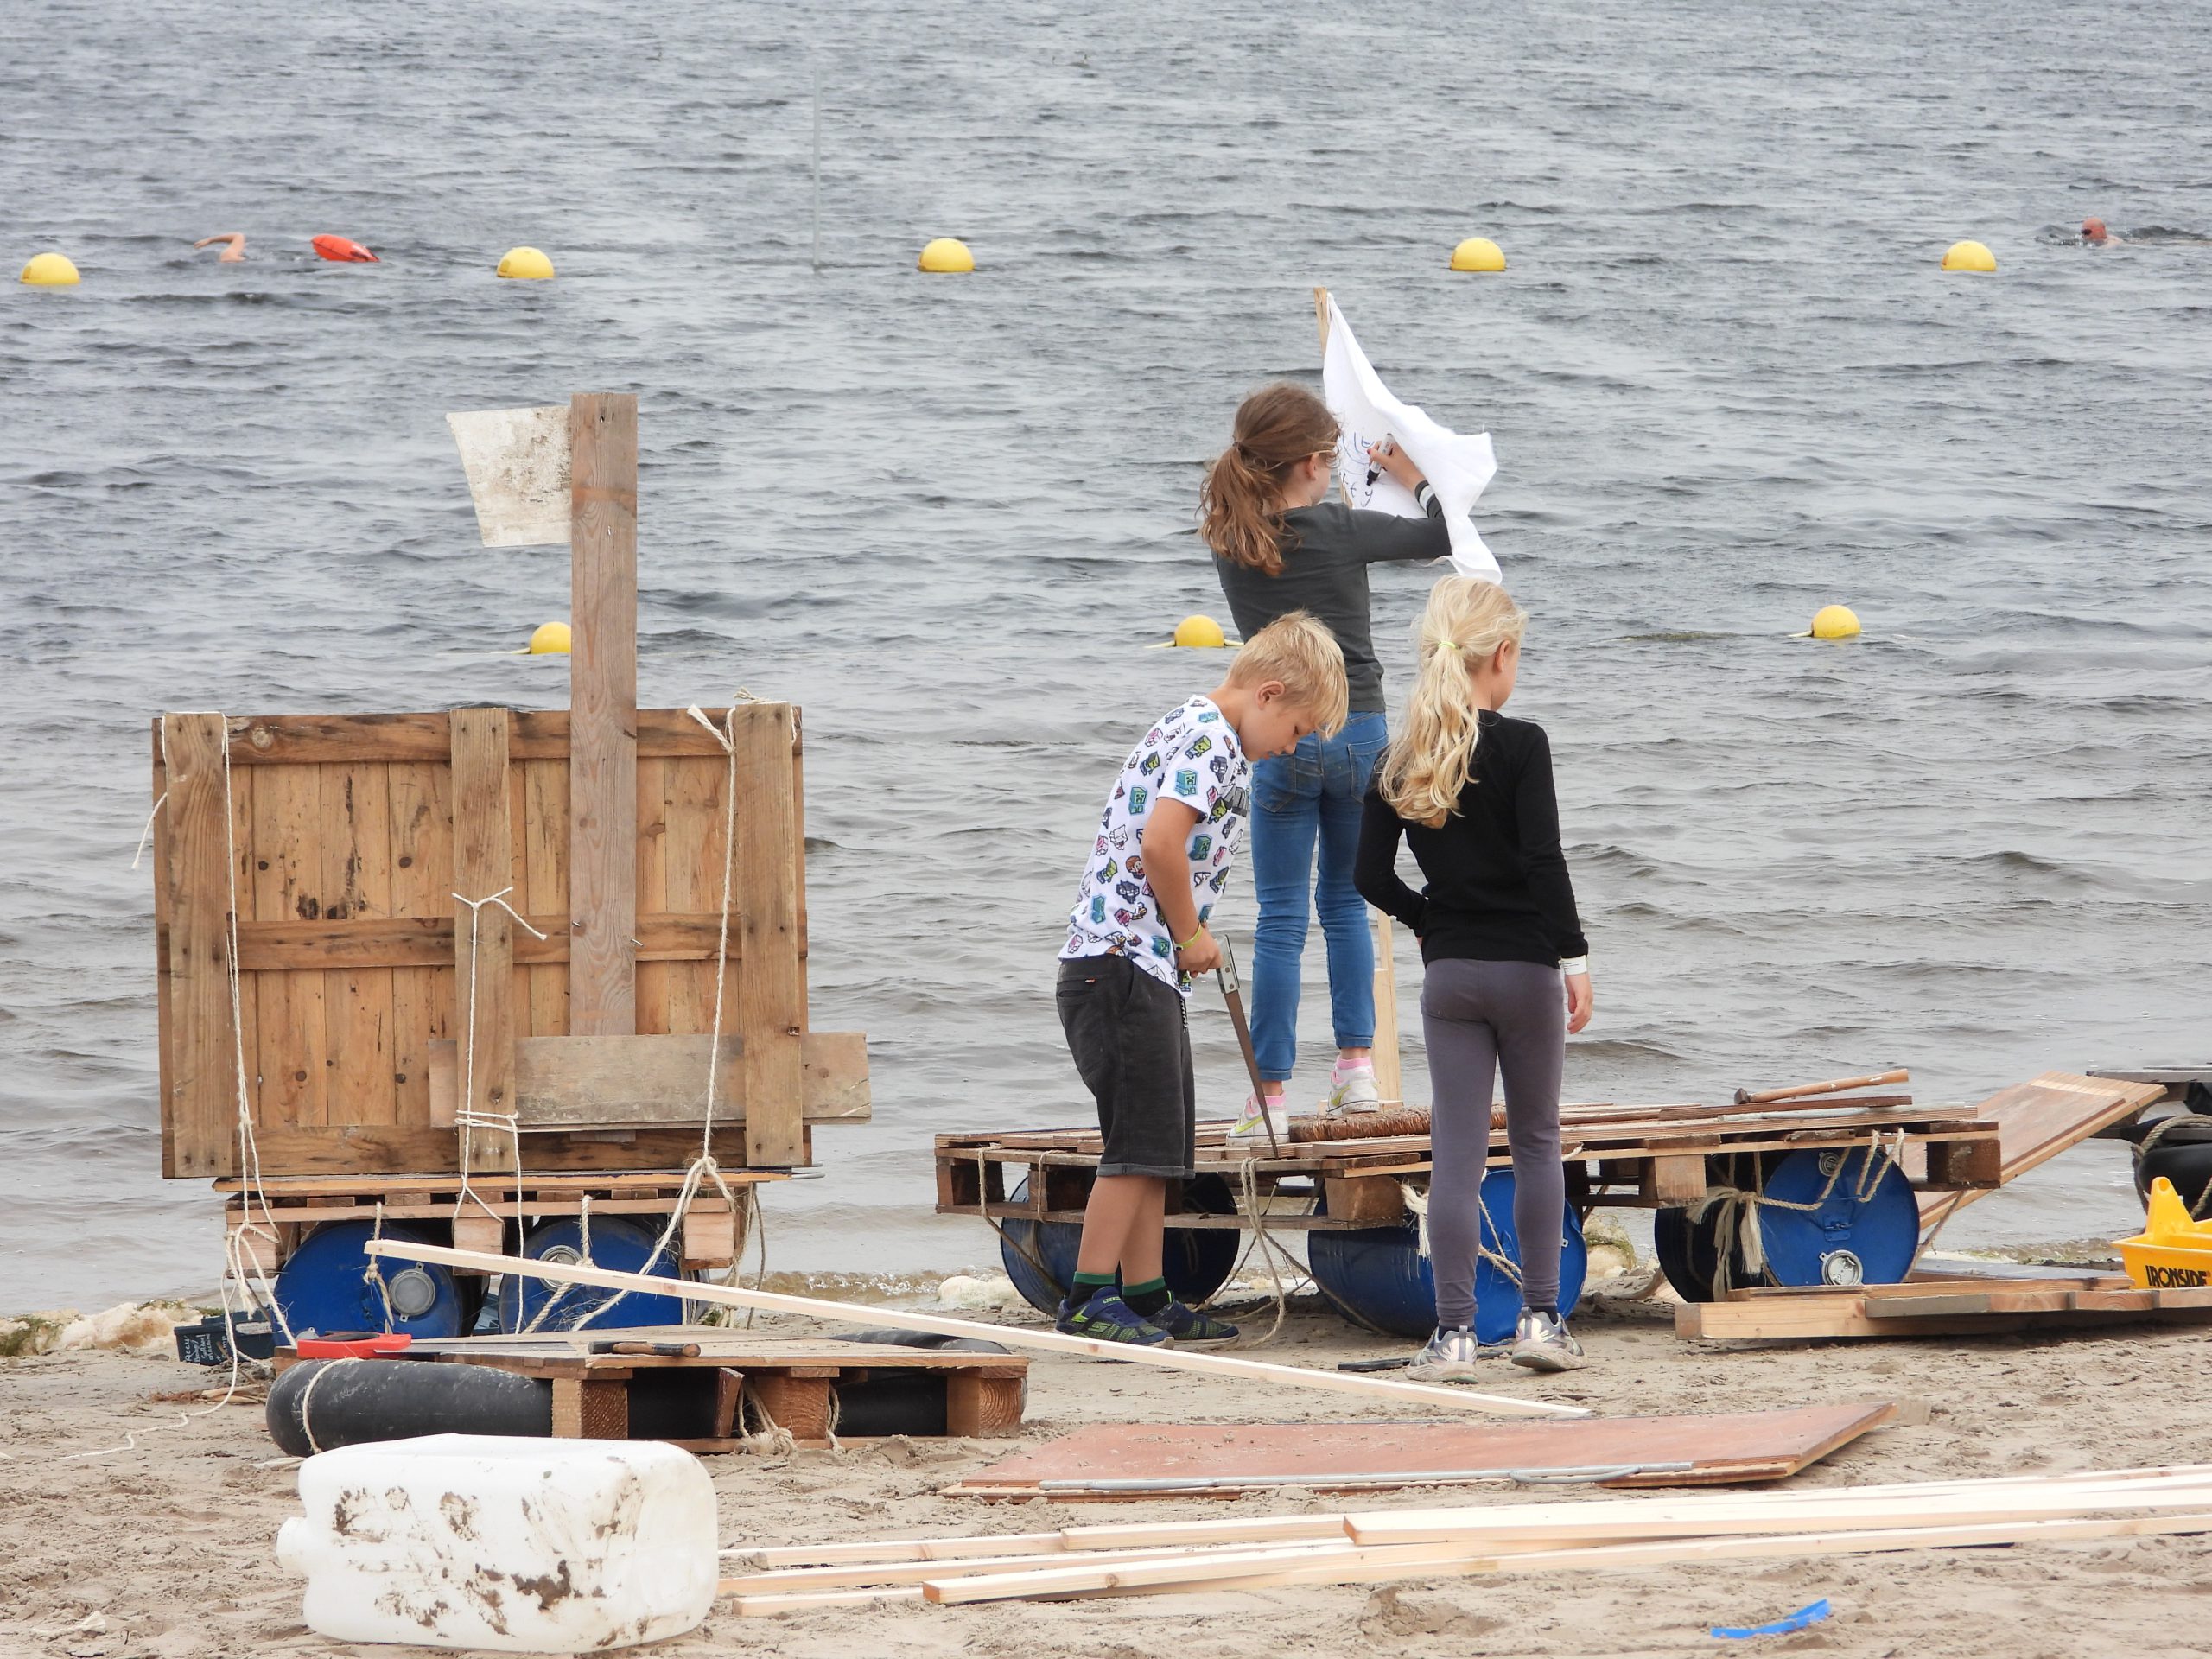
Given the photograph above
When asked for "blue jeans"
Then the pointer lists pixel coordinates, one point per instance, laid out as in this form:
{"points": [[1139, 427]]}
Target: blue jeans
{"points": [[1311, 794]]}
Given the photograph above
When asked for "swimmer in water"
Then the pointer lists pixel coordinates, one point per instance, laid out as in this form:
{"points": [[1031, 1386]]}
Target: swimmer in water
{"points": [[233, 254], [2093, 234]]}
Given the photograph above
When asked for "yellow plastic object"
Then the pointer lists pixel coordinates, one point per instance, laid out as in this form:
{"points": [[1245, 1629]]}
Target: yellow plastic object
{"points": [[552, 639], [2171, 1252], [1200, 633], [1969, 256], [526, 263], [1479, 253], [947, 253], [50, 271], [1835, 622]]}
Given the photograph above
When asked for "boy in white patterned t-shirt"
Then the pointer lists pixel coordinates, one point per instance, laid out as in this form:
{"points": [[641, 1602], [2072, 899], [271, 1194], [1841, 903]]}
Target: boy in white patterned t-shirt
{"points": [[1137, 936]]}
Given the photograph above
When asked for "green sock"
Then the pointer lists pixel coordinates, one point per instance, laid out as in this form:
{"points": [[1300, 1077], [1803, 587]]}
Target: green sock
{"points": [[1087, 1284], [1148, 1298]]}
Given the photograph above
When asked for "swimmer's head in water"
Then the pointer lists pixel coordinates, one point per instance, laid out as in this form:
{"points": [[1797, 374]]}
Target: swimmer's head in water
{"points": [[2093, 230]]}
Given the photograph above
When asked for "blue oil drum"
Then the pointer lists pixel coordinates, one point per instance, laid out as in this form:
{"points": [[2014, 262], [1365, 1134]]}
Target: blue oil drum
{"points": [[618, 1244], [1199, 1260], [330, 1284], [1848, 1240], [1379, 1275]]}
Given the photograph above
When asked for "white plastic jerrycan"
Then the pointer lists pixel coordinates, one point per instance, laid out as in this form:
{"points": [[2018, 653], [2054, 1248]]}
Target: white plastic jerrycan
{"points": [[505, 1545]]}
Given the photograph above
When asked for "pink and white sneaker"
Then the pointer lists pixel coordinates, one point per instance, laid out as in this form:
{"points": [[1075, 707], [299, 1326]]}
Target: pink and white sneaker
{"points": [[1351, 1089]]}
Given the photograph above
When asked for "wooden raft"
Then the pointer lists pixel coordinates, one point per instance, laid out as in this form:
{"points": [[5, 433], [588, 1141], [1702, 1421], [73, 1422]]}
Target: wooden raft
{"points": [[790, 1382], [1617, 1155]]}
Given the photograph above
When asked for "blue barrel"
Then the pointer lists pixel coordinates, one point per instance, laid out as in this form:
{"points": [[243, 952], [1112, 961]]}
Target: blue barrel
{"points": [[618, 1244], [1379, 1275], [1198, 1262], [1848, 1240], [330, 1284]]}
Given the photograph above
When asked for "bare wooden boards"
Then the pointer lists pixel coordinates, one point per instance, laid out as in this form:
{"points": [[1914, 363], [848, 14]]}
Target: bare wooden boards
{"points": [[622, 1083], [1954, 1308], [1146, 1461], [2039, 1119]]}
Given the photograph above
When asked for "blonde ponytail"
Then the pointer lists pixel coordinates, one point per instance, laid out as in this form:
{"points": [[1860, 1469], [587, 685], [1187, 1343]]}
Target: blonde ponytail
{"points": [[1432, 760]]}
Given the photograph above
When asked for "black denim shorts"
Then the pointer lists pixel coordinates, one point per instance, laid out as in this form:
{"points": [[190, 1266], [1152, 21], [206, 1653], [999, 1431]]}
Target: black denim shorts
{"points": [[1131, 1034]]}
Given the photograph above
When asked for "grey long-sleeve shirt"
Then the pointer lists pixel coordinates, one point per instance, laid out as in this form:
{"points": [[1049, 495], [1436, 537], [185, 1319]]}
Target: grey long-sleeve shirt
{"points": [[1326, 551]]}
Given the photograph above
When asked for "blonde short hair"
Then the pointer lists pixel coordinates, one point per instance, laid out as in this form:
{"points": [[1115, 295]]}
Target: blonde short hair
{"points": [[1298, 649]]}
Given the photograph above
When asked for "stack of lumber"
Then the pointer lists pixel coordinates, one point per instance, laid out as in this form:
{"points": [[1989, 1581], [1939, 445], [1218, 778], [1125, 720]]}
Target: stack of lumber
{"points": [[1253, 1553], [1943, 1303]]}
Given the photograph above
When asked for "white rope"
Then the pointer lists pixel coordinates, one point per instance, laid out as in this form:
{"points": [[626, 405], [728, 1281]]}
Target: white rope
{"points": [[1416, 1201], [160, 801], [703, 1167], [466, 1118]]}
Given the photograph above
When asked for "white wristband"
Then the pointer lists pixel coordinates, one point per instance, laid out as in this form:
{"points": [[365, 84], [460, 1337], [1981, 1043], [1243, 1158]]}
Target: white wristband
{"points": [[1575, 965]]}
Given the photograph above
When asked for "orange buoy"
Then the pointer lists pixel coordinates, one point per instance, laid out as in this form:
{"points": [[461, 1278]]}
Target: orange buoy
{"points": [[344, 251]]}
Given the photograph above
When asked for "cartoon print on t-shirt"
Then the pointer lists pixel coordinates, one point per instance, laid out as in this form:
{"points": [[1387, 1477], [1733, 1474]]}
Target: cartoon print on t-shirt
{"points": [[1205, 770]]}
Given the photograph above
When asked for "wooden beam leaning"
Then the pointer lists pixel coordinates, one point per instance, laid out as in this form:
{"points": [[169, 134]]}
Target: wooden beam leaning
{"points": [[1014, 1335], [769, 1008], [603, 718], [484, 978], [199, 1116]]}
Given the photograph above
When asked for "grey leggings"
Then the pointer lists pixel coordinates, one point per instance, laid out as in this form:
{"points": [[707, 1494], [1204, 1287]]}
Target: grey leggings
{"points": [[1479, 1017]]}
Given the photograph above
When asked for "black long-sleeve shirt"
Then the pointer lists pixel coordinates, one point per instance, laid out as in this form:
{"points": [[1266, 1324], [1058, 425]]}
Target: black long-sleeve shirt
{"points": [[1326, 550], [1498, 883]]}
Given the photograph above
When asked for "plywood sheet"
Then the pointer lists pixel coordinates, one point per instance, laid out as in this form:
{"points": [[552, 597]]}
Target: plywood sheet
{"points": [[2039, 1119], [1148, 1460]]}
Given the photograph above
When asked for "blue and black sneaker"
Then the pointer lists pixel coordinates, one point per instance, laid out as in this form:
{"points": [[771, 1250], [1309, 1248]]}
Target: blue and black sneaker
{"points": [[1107, 1317], [1188, 1324]]}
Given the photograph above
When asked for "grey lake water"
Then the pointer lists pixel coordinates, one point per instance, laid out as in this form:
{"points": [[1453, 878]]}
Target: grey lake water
{"points": [[1726, 381]]}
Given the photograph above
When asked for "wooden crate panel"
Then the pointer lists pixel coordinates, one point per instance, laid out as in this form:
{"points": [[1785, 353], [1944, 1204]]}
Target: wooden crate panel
{"points": [[352, 835]]}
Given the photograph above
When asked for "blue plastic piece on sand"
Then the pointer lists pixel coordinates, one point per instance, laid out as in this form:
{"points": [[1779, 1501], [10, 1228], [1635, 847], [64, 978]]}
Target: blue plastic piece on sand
{"points": [[1796, 1621]]}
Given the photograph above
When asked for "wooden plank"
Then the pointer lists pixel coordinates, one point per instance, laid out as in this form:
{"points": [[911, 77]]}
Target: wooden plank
{"points": [[421, 801], [798, 851], [483, 866], [694, 810], [1372, 1201], [1678, 1179], [294, 1067], [544, 889], [199, 1108], [563, 1082], [603, 714], [381, 1149], [2041, 1118], [428, 941], [1389, 1074], [351, 740], [1208, 1459], [355, 846], [1012, 1335], [981, 1407], [770, 1011], [653, 974]]}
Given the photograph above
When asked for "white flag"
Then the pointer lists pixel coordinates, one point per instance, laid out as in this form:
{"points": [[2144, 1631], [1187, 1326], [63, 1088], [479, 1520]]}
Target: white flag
{"points": [[1457, 468]]}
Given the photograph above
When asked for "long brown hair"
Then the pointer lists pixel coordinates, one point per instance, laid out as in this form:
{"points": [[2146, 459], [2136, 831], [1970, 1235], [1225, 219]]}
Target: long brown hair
{"points": [[1241, 503]]}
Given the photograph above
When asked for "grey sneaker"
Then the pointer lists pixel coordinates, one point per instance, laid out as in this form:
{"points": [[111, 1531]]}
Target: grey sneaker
{"points": [[1449, 1358], [1542, 1343], [1352, 1092]]}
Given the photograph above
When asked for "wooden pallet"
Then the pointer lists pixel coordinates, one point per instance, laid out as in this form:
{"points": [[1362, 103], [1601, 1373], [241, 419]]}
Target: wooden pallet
{"points": [[496, 1210], [790, 1383], [1945, 1304], [1618, 1155]]}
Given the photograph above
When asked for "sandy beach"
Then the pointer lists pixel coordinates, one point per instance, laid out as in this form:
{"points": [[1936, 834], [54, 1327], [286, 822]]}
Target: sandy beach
{"points": [[163, 1550]]}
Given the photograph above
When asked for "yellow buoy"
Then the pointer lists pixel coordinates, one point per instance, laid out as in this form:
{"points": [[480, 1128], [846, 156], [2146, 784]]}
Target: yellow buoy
{"points": [[1479, 253], [1200, 633], [947, 253], [1835, 622], [50, 271], [526, 263], [1969, 256], [552, 639]]}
